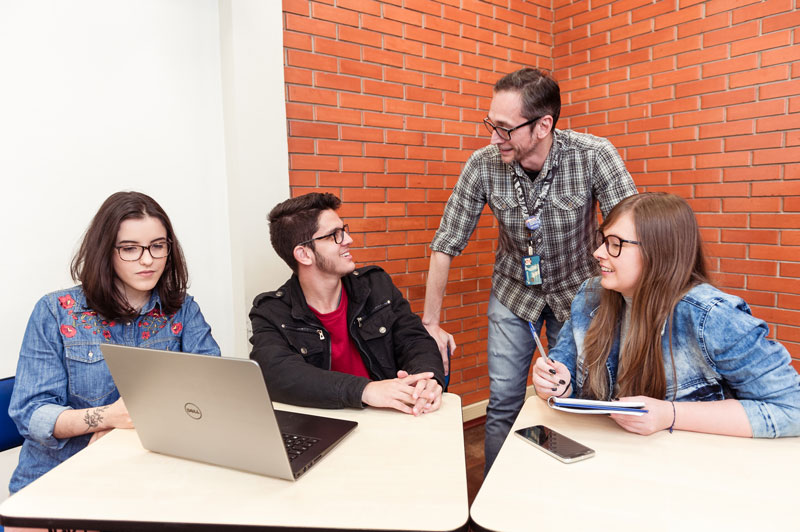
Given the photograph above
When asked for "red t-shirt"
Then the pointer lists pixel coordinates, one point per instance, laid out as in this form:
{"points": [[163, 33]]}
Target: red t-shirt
{"points": [[345, 357]]}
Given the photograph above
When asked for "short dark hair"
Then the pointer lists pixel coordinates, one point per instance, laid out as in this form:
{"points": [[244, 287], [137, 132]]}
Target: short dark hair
{"points": [[93, 266], [296, 220], [540, 92]]}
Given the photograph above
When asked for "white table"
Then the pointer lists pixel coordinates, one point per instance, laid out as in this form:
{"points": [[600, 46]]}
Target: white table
{"points": [[394, 472], [682, 481]]}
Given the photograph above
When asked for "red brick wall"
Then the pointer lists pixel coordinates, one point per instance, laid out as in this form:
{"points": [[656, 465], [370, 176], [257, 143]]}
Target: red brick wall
{"points": [[385, 100], [703, 100]]}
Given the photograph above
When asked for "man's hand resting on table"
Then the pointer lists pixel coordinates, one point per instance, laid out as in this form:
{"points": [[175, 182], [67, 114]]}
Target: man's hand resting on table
{"points": [[412, 394]]}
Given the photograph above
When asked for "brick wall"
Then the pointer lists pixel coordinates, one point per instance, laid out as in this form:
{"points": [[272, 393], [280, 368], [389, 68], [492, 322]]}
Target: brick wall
{"points": [[385, 100], [703, 100]]}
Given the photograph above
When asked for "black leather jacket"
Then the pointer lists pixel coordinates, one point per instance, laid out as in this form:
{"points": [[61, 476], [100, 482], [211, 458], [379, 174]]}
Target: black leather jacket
{"points": [[294, 349]]}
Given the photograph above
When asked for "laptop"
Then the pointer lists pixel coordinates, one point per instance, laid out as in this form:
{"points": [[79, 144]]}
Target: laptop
{"points": [[217, 410]]}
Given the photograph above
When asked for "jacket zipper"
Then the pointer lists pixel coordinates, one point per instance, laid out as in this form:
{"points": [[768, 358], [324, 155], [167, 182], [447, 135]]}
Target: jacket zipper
{"points": [[319, 332], [361, 347], [373, 311]]}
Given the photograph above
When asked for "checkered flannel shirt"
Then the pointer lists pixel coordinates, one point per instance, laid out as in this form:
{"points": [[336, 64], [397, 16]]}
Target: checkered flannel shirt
{"points": [[587, 170]]}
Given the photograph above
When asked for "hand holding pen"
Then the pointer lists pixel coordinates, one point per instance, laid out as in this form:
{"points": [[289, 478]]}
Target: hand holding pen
{"points": [[549, 376]]}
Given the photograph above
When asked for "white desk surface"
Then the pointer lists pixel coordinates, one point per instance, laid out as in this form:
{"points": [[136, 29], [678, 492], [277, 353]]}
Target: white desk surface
{"points": [[392, 472], [682, 481]]}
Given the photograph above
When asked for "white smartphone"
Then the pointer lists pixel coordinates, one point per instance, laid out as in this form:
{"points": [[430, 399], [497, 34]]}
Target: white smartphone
{"points": [[555, 444]]}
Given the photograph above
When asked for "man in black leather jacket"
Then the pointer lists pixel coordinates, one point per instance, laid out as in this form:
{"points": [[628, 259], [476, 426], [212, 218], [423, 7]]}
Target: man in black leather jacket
{"points": [[335, 336]]}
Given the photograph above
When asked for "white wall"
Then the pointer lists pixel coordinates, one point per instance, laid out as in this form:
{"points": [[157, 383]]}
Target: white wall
{"points": [[166, 97], [257, 148]]}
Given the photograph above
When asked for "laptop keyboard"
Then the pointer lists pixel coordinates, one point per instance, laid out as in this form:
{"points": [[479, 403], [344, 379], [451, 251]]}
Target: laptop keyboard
{"points": [[297, 445]]}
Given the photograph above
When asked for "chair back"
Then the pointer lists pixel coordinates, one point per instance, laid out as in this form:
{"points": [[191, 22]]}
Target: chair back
{"points": [[9, 436]]}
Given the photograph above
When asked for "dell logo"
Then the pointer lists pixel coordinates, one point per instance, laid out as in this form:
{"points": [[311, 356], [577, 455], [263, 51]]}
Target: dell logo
{"points": [[192, 410]]}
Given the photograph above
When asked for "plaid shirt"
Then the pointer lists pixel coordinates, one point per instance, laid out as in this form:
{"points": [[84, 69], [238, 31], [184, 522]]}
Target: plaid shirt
{"points": [[586, 170]]}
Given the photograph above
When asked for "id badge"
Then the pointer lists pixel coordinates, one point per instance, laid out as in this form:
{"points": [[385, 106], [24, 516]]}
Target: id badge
{"points": [[530, 265]]}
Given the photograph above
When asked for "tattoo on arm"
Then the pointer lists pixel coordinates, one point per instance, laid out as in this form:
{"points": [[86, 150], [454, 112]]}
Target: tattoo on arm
{"points": [[93, 418]]}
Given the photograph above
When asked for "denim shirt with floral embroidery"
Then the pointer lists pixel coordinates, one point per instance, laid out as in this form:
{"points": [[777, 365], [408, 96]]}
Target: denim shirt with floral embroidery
{"points": [[61, 367], [720, 350]]}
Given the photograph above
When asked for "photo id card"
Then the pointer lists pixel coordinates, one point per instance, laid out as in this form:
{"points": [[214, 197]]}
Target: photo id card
{"points": [[530, 265]]}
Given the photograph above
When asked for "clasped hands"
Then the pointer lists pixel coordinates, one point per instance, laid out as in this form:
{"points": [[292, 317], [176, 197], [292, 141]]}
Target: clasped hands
{"points": [[412, 394]]}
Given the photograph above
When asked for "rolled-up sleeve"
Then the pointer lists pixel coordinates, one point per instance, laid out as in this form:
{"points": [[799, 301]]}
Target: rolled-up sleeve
{"points": [[612, 181], [463, 210], [42, 423]]}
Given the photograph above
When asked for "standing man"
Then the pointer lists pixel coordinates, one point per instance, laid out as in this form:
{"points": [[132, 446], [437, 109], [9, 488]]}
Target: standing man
{"points": [[334, 336], [543, 186]]}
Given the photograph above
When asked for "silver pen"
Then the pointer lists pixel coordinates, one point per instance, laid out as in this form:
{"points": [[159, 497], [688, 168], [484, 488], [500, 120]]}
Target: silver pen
{"points": [[538, 342]]}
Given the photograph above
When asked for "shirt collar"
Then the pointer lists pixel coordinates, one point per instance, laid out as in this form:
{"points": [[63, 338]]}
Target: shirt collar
{"points": [[80, 301], [155, 299]]}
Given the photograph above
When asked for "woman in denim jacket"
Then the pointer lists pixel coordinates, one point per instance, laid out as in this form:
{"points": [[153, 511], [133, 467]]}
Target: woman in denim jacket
{"points": [[133, 292], [651, 328]]}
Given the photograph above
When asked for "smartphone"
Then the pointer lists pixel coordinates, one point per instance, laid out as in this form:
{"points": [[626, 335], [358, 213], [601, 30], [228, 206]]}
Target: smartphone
{"points": [[555, 444]]}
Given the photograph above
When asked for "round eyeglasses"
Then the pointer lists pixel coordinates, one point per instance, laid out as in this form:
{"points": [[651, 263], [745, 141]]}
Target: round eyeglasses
{"points": [[337, 234], [132, 252], [613, 243], [505, 132]]}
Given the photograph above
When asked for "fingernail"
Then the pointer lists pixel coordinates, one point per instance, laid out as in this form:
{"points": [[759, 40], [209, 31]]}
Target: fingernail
{"points": [[552, 371], [561, 381], [554, 389]]}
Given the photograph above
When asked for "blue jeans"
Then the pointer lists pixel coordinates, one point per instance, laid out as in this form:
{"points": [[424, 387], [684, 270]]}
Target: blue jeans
{"points": [[511, 348]]}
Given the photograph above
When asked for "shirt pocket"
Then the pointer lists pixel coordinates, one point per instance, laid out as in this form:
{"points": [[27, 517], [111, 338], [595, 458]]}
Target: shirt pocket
{"points": [[506, 209], [570, 202], [89, 377], [568, 216], [512, 239]]}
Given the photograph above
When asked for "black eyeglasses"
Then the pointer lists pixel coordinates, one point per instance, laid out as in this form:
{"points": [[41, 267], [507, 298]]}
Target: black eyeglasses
{"points": [[132, 252], [337, 234], [613, 243], [505, 132]]}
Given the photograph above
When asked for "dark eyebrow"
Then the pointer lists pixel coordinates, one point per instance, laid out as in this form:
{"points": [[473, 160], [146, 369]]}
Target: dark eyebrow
{"points": [[136, 243]]}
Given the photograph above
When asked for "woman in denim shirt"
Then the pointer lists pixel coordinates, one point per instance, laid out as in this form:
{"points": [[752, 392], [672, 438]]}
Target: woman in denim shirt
{"points": [[133, 292], [651, 328]]}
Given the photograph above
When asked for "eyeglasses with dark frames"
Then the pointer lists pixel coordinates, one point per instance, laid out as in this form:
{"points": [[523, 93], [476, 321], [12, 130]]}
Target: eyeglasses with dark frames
{"points": [[505, 132], [337, 234], [613, 243], [134, 252]]}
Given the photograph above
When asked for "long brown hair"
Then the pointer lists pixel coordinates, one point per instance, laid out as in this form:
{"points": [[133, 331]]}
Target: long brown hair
{"points": [[93, 265], [672, 263]]}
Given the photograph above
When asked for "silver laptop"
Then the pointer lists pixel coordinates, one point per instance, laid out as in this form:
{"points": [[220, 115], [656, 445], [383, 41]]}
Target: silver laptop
{"points": [[217, 410]]}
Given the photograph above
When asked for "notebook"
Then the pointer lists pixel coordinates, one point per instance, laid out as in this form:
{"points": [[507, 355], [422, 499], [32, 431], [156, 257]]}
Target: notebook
{"points": [[590, 406], [217, 410]]}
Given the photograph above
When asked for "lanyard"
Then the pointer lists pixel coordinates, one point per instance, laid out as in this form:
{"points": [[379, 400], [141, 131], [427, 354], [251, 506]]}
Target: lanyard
{"points": [[537, 206]]}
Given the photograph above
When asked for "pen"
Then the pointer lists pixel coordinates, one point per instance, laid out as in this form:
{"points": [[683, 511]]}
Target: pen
{"points": [[538, 342]]}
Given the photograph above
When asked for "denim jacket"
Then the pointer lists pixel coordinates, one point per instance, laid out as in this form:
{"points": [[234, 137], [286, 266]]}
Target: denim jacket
{"points": [[720, 351], [61, 367]]}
